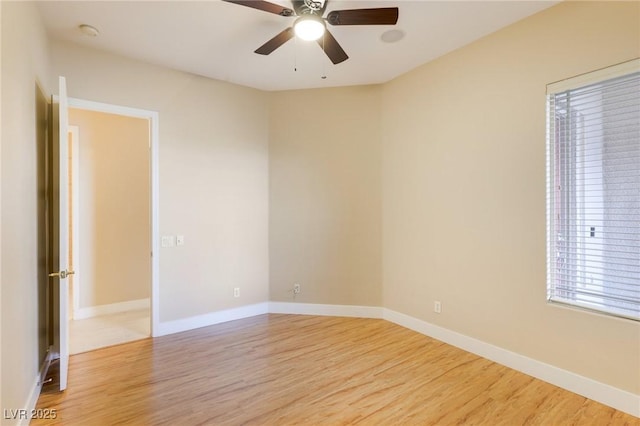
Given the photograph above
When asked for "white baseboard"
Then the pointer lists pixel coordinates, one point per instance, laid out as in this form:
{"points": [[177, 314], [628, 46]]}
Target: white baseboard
{"points": [[114, 308], [23, 417], [185, 324], [589, 388], [325, 310]]}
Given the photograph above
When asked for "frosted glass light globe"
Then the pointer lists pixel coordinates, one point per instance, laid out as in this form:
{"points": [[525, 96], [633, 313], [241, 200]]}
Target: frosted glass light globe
{"points": [[309, 27]]}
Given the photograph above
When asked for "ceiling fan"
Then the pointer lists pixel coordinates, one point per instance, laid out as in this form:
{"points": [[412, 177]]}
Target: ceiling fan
{"points": [[310, 24]]}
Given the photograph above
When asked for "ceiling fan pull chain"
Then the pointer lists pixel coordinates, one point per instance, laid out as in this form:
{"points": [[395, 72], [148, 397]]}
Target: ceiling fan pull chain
{"points": [[324, 63], [295, 54]]}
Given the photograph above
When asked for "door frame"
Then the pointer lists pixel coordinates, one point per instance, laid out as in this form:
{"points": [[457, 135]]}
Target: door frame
{"points": [[154, 140], [75, 213]]}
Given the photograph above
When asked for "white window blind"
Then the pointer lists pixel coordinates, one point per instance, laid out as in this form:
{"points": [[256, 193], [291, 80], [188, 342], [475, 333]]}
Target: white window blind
{"points": [[593, 191]]}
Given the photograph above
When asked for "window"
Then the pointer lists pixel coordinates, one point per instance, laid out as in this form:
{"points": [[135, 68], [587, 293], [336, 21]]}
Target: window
{"points": [[593, 191]]}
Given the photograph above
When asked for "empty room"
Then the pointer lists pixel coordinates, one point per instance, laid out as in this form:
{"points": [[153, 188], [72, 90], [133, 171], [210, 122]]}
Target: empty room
{"points": [[347, 212]]}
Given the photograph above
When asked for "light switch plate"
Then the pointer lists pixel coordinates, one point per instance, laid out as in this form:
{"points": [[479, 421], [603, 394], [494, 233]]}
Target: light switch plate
{"points": [[179, 240], [167, 241]]}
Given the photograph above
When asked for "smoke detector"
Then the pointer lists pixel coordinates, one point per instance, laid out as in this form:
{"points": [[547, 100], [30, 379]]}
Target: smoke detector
{"points": [[88, 30]]}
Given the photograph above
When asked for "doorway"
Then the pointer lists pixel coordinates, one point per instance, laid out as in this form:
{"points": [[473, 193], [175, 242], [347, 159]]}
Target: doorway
{"points": [[113, 203]]}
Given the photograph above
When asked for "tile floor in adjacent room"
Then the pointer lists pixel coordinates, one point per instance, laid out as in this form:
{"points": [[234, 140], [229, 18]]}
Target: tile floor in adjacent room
{"points": [[108, 330]]}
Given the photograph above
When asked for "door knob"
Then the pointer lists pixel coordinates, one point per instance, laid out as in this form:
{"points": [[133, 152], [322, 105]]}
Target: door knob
{"points": [[62, 274]]}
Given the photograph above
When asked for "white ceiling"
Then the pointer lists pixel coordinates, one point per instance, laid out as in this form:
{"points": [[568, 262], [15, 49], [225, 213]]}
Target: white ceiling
{"points": [[217, 39]]}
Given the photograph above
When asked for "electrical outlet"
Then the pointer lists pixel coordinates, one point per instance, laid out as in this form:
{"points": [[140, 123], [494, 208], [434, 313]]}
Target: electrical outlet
{"points": [[236, 292], [296, 289], [437, 307]]}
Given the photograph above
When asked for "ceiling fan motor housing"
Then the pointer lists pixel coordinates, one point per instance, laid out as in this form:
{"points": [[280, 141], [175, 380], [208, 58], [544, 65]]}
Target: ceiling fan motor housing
{"points": [[309, 7], [315, 4]]}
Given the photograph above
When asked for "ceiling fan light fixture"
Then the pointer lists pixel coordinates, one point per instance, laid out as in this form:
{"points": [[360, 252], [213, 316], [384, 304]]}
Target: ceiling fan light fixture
{"points": [[309, 27]]}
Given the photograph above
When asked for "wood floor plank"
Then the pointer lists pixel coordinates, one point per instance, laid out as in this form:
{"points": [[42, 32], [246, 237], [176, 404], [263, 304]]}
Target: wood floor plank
{"points": [[294, 369]]}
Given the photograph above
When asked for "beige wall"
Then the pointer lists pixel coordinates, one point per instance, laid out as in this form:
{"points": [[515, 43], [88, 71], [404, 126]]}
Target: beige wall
{"points": [[464, 190], [1, 101], [325, 196], [459, 188], [114, 208], [25, 61], [213, 175]]}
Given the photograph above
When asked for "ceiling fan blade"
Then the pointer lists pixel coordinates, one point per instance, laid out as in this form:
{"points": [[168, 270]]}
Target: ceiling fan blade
{"points": [[275, 42], [380, 16], [264, 6], [332, 48]]}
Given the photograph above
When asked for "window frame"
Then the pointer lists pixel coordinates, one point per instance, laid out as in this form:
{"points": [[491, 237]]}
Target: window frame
{"points": [[553, 199]]}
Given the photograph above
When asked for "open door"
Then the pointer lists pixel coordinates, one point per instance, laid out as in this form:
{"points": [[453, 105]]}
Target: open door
{"points": [[60, 231]]}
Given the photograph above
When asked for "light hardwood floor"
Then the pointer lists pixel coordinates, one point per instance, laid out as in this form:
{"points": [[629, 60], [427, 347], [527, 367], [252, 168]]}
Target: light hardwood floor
{"points": [[293, 369]]}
